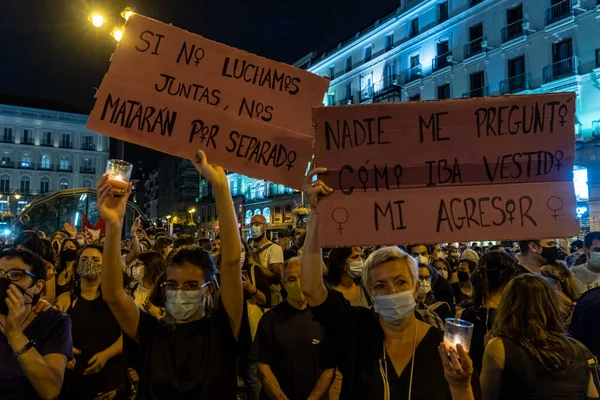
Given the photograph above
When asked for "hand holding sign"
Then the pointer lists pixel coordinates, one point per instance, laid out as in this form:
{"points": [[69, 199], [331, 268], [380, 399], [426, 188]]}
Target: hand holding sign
{"points": [[213, 174], [314, 190]]}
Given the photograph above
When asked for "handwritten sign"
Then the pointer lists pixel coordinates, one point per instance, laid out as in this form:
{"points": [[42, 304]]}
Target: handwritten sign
{"points": [[177, 92], [455, 170]]}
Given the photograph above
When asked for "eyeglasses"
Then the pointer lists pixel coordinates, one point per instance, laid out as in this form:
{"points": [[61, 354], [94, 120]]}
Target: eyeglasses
{"points": [[188, 286], [15, 275]]}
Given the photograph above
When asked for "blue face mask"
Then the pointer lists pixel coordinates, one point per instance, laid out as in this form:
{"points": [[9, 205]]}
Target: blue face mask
{"points": [[396, 307], [595, 259]]}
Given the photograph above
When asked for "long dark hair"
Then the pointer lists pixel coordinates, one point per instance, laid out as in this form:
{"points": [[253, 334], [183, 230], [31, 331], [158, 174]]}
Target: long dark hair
{"points": [[336, 265], [494, 272], [154, 266], [62, 263], [76, 279], [161, 244], [529, 315]]}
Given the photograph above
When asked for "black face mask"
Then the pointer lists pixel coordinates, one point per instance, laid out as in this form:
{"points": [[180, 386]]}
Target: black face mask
{"points": [[4, 284], [462, 276], [69, 254], [550, 254]]}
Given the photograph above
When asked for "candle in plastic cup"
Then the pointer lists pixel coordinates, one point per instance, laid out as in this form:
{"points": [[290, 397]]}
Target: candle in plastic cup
{"points": [[119, 173], [458, 332]]}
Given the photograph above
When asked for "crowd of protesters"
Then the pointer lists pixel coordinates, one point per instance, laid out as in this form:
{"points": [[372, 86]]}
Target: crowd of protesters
{"points": [[153, 316]]}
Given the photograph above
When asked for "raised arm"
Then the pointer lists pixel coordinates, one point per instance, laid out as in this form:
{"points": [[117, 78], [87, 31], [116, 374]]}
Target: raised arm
{"points": [[135, 248], [312, 270], [232, 293], [112, 210]]}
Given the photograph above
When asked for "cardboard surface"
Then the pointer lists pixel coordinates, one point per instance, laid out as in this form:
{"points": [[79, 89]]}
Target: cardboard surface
{"points": [[424, 153]]}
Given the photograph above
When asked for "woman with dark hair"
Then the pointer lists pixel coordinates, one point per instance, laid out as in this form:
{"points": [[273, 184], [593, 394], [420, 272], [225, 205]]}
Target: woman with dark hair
{"points": [[191, 353], [145, 271], [97, 342], [163, 246], [443, 268], [530, 355], [65, 268], [344, 270], [563, 281], [494, 272], [463, 289]]}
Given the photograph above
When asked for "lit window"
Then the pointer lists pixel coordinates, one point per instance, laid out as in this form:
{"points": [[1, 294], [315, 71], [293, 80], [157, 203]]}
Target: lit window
{"points": [[266, 212]]}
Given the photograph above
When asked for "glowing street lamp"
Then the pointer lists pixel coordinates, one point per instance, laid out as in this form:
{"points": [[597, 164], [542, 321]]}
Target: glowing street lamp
{"points": [[96, 19], [117, 33], [126, 13], [17, 196]]}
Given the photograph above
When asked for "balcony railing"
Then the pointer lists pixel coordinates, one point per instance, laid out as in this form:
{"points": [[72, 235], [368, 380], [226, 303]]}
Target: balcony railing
{"points": [[7, 139], [561, 69], [347, 100], [412, 74], [7, 164], [512, 31], [25, 191], [515, 84], [441, 61], [26, 165], [47, 142], [386, 83], [88, 170], [88, 146], [46, 167], [66, 144], [366, 93], [65, 168], [474, 47], [411, 3], [28, 140], [559, 11], [479, 92]]}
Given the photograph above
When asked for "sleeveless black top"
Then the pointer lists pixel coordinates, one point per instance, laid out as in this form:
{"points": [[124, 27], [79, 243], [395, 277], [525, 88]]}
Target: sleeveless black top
{"points": [[94, 330], [524, 377]]}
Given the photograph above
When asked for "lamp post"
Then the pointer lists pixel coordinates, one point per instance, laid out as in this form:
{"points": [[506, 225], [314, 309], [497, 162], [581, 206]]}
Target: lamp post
{"points": [[192, 211], [169, 225], [99, 20]]}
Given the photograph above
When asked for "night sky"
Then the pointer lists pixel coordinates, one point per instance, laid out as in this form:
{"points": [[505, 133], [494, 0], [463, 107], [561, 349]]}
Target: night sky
{"points": [[50, 50]]}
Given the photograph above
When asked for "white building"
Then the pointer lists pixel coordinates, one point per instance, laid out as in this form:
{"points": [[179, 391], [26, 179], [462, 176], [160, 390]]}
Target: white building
{"points": [[150, 205], [45, 147], [441, 49]]}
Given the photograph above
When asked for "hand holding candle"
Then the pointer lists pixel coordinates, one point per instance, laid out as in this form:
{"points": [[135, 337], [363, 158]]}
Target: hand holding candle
{"points": [[119, 173], [458, 332]]}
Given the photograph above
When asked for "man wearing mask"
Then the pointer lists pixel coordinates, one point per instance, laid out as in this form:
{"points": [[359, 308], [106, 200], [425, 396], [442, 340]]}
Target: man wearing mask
{"points": [[34, 346], [285, 242], [269, 256], [421, 253], [535, 254], [588, 274], [294, 359]]}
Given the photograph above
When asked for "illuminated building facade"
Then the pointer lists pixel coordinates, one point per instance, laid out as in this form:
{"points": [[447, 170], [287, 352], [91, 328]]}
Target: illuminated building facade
{"points": [[446, 49]]}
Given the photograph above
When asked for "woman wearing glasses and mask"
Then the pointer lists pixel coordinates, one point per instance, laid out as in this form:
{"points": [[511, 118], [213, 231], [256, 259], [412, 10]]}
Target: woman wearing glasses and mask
{"points": [[191, 352], [389, 353]]}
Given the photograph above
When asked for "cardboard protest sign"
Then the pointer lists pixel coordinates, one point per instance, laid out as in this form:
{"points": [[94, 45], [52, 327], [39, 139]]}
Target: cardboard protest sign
{"points": [[456, 170], [172, 90]]}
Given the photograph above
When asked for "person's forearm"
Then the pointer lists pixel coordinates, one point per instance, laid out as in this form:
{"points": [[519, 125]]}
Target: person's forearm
{"points": [[231, 247], [112, 275], [270, 384], [116, 348], [267, 273], [323, 384], [311, 269], [135, 251], [463, 393], [260, 298], [44, 379]]}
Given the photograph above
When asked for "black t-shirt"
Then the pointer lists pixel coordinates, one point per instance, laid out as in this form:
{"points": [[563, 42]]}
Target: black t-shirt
{"points": [[483, 320], [294, 346], [359, 349], [195, 360]]}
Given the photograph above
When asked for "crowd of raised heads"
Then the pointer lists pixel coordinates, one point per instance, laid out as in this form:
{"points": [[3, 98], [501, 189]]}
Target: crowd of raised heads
{"points": [[142, 314]]}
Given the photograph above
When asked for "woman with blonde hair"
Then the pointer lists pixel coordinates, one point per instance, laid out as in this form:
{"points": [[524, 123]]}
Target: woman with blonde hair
{"points": [[563, 280], [530, 355]]}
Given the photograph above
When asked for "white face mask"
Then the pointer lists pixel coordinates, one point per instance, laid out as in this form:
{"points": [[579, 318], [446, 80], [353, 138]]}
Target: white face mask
{"points": [[443, 273], [423, 260], [242, 258], [440, 254], [137, 273], [396, 307], [355, 269], [424, 288], [257, 231], [183, 304]]}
